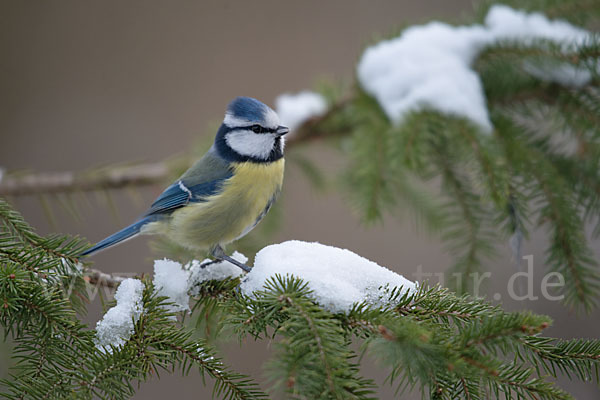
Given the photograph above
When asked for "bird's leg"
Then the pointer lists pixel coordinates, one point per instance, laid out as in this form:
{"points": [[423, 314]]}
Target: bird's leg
{"points": [[209, 262], [218, 253]]}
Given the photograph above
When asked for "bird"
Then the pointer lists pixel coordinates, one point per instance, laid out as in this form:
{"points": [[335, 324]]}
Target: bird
{"points": [[224, 194]]}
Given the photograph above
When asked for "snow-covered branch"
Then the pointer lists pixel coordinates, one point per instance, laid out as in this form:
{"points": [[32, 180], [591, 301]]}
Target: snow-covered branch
{"points": [[337, 278]]}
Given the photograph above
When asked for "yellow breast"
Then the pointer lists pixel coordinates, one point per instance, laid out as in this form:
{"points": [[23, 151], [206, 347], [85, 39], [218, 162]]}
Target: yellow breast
{"points": [[230, 214]]}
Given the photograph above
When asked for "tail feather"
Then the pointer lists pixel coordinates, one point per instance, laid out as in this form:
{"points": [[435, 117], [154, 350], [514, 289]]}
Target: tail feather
{"points": [[124, 234]]}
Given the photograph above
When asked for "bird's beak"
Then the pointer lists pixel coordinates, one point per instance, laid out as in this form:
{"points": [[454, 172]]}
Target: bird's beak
{"points": [[282, 130]]}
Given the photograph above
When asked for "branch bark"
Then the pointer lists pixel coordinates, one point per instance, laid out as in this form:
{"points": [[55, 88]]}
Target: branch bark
{"points": [[97, 277], [69, 181]]}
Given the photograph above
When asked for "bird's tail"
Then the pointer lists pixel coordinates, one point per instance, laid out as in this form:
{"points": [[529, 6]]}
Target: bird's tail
{"points": [[124, 234]]}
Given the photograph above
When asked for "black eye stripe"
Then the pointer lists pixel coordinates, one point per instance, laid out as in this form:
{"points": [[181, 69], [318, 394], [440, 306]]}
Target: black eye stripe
{"points": [[258, 129], [249, 128]]}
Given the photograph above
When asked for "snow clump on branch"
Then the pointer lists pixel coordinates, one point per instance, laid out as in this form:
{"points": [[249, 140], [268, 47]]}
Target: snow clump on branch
{"points": [[429, 66]]}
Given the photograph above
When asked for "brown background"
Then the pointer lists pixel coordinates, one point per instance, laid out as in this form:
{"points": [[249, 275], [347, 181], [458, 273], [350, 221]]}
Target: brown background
{"points": [[87, 83]]}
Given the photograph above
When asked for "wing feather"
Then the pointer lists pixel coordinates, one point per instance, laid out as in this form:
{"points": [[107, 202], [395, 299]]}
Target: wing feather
{"points": [[202, 180]]}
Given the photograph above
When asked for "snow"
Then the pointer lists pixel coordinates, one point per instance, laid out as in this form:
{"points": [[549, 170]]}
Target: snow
{"points": [[295, 109], [338, 277], [178, 282], [214, 271], [506, 23], [563, 74], [171, 280], [429, 66], [116, 327]]}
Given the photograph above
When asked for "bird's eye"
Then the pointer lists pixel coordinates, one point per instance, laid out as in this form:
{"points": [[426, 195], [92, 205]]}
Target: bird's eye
{"points": [[256, 128]]}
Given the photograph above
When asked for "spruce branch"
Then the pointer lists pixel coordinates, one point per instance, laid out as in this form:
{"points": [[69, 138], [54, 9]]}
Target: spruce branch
{"points": [[453, 347], [447, 345], [314, 360]]}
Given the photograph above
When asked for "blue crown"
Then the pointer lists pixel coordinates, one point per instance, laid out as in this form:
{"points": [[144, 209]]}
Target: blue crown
{"points": [[247, 108]]}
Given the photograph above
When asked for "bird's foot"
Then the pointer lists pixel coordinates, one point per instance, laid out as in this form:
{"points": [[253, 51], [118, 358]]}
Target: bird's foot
{"points": [[209, 262], [218, 253]]}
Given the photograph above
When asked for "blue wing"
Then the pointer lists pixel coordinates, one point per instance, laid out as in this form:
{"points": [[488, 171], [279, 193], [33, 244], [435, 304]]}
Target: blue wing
{"points": [[175, 196], [202, 180], [179, 194]]}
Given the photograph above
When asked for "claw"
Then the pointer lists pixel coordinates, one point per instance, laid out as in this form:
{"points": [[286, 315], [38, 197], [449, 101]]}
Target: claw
{"points": [[218, 253]]}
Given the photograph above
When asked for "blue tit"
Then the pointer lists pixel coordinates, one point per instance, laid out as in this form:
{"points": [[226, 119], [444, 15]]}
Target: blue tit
{"points": [[226, 193]]}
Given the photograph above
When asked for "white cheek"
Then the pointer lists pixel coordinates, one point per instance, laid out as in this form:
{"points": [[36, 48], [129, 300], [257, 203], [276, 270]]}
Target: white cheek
{"points": [[250, 144]]}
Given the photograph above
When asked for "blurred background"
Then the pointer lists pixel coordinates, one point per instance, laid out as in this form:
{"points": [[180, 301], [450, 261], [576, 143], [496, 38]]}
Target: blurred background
{"points": [[86, 84]]}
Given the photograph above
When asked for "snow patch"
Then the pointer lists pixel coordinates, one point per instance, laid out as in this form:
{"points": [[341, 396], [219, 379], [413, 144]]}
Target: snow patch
{"points": [[564, 74], [215, 271], [171, 280], [178, 282], [116, 327], [338, 277], [429, 66], [506, 23]]}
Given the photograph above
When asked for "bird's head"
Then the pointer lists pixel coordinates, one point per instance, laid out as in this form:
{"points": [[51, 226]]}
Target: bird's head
{"points": [[250, 132]]}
